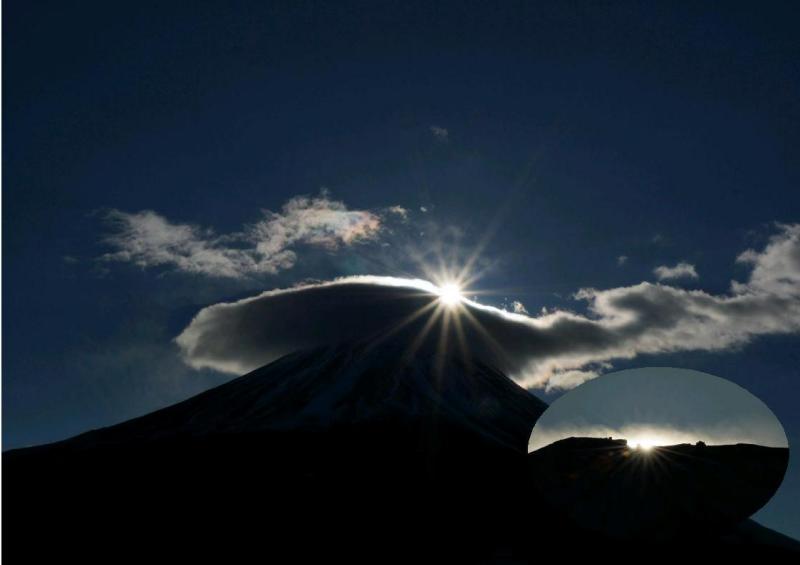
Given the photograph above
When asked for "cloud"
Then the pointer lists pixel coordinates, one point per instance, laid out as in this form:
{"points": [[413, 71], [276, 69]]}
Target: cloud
{"points": [[622, 259], [554, 350], [776, 270], [440, 133], [399, 211], [148, 239], [567, 379], [518, 307], [682, 270]]}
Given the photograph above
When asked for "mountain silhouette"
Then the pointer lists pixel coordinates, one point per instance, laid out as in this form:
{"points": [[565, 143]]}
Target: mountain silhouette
{"points": [[360, 451], [661, 493]]}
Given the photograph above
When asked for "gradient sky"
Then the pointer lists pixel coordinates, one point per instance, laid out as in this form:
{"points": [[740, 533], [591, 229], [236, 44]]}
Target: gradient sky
{"points": [[666, 404], [594, 142]]}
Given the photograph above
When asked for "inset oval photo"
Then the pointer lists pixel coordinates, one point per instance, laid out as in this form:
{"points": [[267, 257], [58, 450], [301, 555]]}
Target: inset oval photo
{"points": [[657, 454]]}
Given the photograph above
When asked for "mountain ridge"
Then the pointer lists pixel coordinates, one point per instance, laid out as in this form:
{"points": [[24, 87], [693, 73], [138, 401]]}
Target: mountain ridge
{"points": [[359, 450], [661, 493], [261, 399]]}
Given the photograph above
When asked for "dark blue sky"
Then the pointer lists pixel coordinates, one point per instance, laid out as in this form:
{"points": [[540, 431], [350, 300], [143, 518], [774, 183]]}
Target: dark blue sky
{"points": [[662, 133]]}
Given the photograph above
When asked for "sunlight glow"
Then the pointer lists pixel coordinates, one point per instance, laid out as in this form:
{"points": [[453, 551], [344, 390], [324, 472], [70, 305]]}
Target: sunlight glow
{"points": [[450, 294], [644, 443]]}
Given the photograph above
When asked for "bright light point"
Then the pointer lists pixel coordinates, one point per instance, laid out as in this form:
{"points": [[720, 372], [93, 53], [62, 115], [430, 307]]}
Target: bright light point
{"points": [[450, 294], [644, 444]]}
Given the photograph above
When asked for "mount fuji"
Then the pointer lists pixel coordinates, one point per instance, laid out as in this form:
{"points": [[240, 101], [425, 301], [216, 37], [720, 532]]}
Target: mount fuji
{"points": [[362, 450]]}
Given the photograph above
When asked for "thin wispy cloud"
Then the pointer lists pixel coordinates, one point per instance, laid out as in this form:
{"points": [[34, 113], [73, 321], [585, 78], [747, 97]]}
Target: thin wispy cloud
{"points": [[440, 133], [682, 270], [399, 211], [148, 239], [557, 349], [622, 259]]}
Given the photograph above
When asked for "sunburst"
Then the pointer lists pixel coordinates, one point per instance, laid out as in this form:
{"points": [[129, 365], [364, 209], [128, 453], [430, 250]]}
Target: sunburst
{"points": [[450, 294]]}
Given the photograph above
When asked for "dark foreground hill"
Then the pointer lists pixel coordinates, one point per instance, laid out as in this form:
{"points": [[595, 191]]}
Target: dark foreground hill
{"points": [[346, 452], [663, 493]]}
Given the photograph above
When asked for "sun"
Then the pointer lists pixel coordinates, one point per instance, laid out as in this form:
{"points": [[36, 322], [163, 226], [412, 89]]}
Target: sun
{"points": [[643, 443], [450, 294]]}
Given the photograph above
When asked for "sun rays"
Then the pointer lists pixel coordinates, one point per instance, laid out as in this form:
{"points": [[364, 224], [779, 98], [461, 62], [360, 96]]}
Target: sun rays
{"points": [[448, 324]]}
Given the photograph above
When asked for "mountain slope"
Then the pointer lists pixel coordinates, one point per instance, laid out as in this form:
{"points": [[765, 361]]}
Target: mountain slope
{"points": [[354, 452], [349, 439], [343, 385]]}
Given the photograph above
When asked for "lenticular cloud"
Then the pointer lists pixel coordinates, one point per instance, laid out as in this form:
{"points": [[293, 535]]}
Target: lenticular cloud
{"points": [[555, 350]]}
